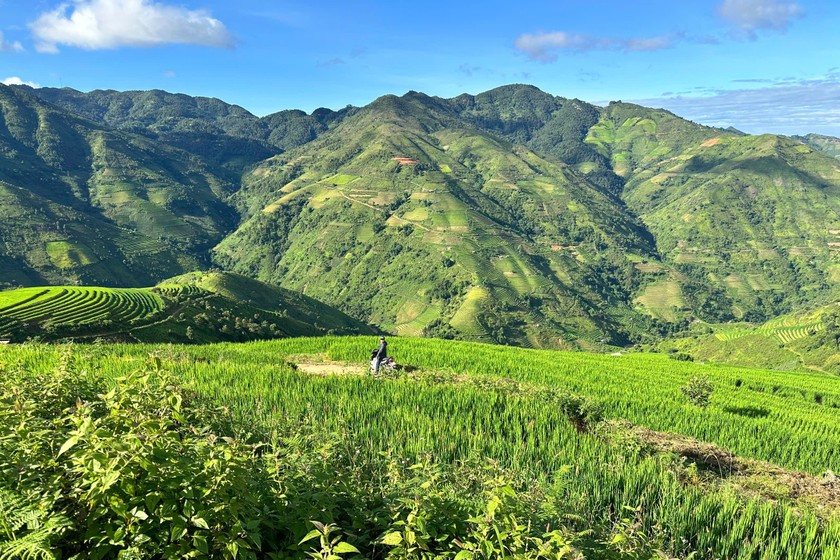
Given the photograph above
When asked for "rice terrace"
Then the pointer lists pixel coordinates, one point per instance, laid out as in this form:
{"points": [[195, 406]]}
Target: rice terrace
{"points": [[473, 449]]}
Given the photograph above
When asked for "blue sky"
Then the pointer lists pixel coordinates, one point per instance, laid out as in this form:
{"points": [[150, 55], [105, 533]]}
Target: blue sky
{"points": [[758, 65]]}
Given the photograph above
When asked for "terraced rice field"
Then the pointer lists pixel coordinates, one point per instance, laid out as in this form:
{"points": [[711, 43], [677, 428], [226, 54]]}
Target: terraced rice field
{"points": [[786, 329], [465, 318], [75, 305], [177, 290], [662, 299], [466, 401]]}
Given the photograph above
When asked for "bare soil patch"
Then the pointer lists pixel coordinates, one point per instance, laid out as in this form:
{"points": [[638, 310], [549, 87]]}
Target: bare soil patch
{"points": [[405, 160], [319, 365]]}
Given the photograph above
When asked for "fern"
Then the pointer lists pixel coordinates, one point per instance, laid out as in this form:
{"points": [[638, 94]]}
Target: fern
{"points": [[27, 530]]}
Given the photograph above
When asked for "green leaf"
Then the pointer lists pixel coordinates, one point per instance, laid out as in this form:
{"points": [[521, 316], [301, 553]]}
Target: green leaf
{"points": [[618, 538], [200, 522], [392, 539], [200, 542], [344, 548], [68, 444], [310, 535]]}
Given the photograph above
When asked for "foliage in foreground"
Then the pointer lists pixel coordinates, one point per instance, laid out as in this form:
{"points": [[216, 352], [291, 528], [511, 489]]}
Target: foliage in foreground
{"points": [[475, 455], [132, 467], [134, 470]]}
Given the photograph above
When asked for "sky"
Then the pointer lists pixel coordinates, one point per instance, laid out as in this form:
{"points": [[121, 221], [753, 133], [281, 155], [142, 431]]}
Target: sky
{"points": [[761, 66]]}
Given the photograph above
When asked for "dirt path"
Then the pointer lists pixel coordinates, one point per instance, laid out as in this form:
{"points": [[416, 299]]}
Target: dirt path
{"points": [[717, 466], [372, 207], [332, 368], [318, 364]]}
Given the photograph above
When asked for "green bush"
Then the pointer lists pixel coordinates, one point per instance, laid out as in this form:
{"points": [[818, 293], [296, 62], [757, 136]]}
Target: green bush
{"points": [[698, 390], [134, 468]]}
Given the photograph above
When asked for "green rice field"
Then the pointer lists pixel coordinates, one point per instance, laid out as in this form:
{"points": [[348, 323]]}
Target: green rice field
{"points": [[528, 414]]}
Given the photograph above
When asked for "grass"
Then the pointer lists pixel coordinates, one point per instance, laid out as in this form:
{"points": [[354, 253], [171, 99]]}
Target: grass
{"points": [[465, 403]]}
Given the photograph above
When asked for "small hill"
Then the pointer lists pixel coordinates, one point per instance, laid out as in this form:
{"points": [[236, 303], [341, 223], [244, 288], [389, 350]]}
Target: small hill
{"points": [[806, 340], [198, 307]]}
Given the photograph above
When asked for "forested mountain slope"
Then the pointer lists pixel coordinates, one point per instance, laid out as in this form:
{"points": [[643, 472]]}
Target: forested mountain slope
{"points": [[512, 216], [408, 216], [84, 203], [225, 134], [749, 224]]}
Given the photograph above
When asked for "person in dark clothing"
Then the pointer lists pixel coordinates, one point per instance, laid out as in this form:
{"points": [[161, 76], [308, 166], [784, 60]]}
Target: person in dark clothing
{"points": [[380, 355]]}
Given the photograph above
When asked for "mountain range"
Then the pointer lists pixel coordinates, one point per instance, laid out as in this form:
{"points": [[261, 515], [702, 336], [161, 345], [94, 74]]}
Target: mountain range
{"points": [[512, 216]]}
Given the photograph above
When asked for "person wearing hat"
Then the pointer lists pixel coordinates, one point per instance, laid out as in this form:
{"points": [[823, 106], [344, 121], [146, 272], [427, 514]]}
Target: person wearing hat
{"points": [[380, 355]]}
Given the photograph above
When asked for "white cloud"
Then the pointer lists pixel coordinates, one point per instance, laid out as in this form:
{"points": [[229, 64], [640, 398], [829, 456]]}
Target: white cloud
{"points": [[16, 81], [749, 16], [784, 107], [109, 24], [545, 46], [6, 46]]}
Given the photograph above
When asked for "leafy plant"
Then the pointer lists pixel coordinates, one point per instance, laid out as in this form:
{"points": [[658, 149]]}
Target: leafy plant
{"points": [[28, 528], [330, 547], [698, 390], [135, 467]]}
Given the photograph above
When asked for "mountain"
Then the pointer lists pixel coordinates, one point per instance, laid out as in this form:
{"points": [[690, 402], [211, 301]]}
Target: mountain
{"points": [[84, 203], [196, 307], [827, 144], [407, 216], [224, 134], [512, 216], [747, 225], [563, 218]]}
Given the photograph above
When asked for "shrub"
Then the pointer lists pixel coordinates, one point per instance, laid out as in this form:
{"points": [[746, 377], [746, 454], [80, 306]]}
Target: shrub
{"points": [[698, 390], [132, 467]]}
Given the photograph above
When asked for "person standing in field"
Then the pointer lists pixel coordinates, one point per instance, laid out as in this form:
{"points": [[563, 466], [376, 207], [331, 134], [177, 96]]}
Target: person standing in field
{"points": [[380, 355]]}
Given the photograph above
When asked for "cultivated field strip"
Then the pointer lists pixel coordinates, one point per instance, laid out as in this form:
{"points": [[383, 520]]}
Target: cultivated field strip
{"points": [[79, 305], [785, 330], [176, 290]]}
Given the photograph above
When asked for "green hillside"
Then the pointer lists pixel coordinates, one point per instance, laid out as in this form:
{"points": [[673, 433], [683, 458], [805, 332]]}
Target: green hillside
{"points": [[82, 203], [415, 223], [472, 450], [827, 144], [745, 224], [512, 216], [197, 308], [806, 340], [227, 135]]}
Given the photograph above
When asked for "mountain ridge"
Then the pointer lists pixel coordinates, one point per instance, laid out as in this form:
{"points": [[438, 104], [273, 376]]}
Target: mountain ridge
{"points": [[511, 216]]}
